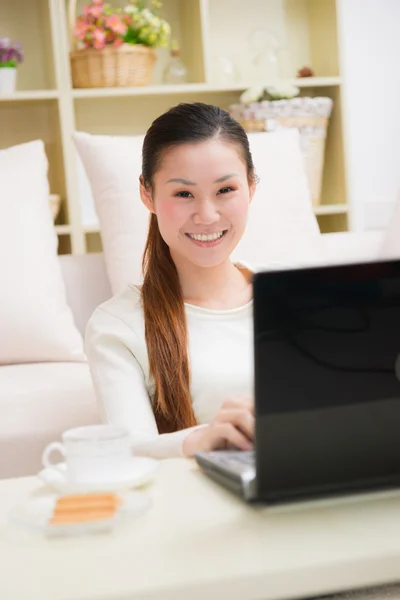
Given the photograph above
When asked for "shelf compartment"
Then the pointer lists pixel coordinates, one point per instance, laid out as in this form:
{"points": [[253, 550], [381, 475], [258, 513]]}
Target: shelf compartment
{"points": [[185, 21], [129, 115], [22, 122], [304, 32], [29, 24]]}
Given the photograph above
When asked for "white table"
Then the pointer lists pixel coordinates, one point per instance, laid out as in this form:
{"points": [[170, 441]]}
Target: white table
{"points": [[198, 541]]}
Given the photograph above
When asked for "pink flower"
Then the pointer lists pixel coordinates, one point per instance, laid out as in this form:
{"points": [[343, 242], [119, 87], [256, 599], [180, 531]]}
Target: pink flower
{"points": [[81, 29], [97, 2], [127, 19], [99, 39], [116, 25], [94, 11], [118, 42]]}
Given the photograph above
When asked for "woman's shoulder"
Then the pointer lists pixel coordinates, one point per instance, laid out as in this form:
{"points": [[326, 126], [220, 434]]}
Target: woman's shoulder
{"points": [[243, 264], [124, 308]]}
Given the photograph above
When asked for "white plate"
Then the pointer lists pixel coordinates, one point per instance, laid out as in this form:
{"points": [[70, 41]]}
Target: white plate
{"points": [[141, 473], [34, 515]]}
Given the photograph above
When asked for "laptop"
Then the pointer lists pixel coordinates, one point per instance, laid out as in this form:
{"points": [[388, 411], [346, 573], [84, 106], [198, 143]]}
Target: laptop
{"points": [[327, 386]]}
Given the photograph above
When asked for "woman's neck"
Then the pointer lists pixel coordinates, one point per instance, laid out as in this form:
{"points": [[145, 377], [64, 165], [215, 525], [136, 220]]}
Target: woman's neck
{"points": [[222, 287]]}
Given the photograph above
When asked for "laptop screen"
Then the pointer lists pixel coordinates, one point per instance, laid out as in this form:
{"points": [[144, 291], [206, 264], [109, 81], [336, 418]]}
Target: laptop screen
{"points": [[327, 379]]}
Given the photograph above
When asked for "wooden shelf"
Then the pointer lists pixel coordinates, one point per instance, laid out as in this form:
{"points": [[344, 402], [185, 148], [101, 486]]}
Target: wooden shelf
{"points": [[91, 228], [195, 88], [63, 229], [310, 82], [30, 95], [330, 209]]}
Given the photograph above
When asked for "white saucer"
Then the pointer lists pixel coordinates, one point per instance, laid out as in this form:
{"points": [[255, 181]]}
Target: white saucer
{"points": [[34, 514], [141, 472]]}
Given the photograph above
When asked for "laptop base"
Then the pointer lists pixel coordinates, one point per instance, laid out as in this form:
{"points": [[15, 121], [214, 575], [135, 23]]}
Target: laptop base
{"points": [[233, 469]]}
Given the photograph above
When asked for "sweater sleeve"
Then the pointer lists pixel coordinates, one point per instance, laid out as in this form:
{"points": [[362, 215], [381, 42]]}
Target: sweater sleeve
{"points": [[120, 387]]}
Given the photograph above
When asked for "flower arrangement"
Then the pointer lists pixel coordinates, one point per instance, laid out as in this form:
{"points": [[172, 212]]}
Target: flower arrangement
{"points": [[145, 27], [101, 25], [280, 92], [11, 54]]}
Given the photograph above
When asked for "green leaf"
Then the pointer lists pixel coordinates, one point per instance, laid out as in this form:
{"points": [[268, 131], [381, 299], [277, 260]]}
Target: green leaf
{"points": [[9, 64]]}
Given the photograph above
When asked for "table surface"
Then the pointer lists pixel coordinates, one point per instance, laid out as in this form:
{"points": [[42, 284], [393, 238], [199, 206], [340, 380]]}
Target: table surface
{"points": [[200, 541]]}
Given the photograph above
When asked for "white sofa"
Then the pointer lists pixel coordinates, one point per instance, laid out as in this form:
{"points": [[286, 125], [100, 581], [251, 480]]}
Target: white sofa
{"points": [[39, 401]]}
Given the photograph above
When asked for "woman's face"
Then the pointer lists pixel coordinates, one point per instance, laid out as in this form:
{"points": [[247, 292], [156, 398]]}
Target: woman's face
{"points": [[201, 197]]}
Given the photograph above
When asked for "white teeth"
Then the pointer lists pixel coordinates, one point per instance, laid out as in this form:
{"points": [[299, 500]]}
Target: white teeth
{"points": [[206, 238]]}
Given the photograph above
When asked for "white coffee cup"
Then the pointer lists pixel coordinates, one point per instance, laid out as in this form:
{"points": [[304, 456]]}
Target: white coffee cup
{"points": [[93, 454]]}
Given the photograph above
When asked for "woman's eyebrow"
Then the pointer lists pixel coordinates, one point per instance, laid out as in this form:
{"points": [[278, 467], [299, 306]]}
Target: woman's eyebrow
{"points": [[187, 182], [180, 180], [225, 177]]}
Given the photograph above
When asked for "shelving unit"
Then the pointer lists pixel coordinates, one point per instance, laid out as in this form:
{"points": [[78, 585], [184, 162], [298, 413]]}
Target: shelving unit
{"points": [[47, 107]]}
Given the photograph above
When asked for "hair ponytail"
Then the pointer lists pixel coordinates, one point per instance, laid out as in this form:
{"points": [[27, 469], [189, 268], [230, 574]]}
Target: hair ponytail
{"points": [[162, 299], [166, 335]]}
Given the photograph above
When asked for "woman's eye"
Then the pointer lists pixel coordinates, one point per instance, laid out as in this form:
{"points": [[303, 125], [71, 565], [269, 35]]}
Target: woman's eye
{"points": [[184, 194], [225, 190]]}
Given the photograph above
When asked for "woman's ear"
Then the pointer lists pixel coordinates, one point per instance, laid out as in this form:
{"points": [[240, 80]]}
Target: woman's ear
{"points": [[252, 188], [145, 195]]}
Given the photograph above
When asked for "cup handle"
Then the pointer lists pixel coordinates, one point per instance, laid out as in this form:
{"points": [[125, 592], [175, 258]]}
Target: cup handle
{"points": [[48, 451]]}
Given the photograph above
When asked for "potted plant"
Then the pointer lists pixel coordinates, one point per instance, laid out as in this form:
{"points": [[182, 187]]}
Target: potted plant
{"points": [[115, 46], [11, 55]]}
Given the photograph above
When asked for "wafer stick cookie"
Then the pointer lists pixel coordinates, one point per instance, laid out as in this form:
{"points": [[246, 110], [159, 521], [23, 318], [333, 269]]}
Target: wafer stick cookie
{"points": [[84, 507], [84, 517], [87, 500]]}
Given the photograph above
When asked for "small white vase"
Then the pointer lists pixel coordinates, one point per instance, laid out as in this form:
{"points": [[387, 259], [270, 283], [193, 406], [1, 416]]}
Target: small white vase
{"points": [[8, 79]]}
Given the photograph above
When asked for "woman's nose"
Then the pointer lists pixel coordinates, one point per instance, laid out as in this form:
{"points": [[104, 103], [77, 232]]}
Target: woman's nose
{"points": [[206, 213]]}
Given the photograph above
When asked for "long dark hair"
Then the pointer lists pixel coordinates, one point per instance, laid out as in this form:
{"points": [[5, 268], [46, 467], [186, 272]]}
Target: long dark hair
{"points": [[163, 304]]}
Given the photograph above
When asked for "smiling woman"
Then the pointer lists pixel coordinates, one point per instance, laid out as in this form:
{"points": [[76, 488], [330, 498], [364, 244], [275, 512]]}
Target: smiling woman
{"points": [[200, 195], [172, 360]]}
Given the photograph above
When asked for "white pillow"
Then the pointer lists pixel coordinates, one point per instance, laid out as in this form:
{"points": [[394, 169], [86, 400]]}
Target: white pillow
{"points": [[282, 228], [36, 324], [113, 165], [390, 247]]}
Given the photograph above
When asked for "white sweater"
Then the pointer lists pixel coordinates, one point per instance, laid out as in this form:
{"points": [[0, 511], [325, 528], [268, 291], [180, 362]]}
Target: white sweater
{"points": [[221, 367]]}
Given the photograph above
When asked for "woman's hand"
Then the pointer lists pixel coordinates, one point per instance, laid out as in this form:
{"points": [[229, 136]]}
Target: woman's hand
{"points": [[233, 425]]}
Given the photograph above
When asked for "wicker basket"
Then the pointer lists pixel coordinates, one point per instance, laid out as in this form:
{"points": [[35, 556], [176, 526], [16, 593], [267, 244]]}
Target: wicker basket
{"points": [[124, 66], [309, 115]]}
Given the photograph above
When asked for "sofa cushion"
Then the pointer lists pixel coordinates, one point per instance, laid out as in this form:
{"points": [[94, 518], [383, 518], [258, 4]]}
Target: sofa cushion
{"points": [[390, 247], [343, 247], [36, 323], [37, 403], [282, 228], [113, 165], [87, 284]]}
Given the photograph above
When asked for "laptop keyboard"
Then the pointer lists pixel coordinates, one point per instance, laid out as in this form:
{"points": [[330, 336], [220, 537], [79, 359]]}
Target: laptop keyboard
{"points": [[247, 458], [230, 458]]}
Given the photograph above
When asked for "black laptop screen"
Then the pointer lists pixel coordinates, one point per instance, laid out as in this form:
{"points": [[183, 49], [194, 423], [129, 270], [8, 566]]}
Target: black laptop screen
{"points": [[327, 379]]}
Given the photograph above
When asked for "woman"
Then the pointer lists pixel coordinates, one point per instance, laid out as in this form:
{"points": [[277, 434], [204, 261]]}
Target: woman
{"points": [[172, 360]]}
